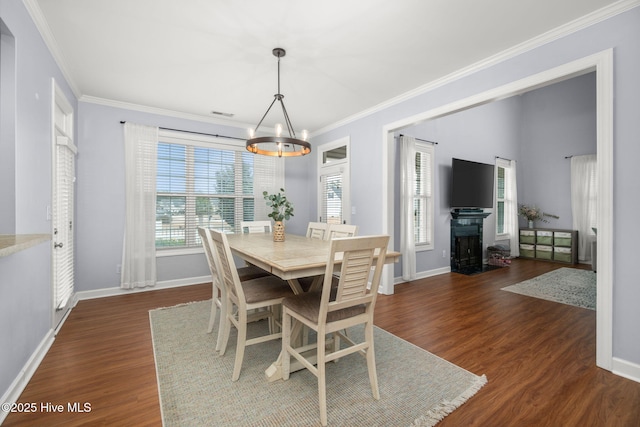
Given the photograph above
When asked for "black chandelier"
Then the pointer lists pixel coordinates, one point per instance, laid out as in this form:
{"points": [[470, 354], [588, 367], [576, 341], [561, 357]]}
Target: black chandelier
{"points": [[278, 145]]}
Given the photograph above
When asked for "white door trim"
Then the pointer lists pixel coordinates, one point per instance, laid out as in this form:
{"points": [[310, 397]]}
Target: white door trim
{"points": [[602, 64]]}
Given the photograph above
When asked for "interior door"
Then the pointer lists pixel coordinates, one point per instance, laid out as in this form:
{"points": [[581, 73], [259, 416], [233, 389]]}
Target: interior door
{"points": [[62, 213], [63, 259], [334, 204]]}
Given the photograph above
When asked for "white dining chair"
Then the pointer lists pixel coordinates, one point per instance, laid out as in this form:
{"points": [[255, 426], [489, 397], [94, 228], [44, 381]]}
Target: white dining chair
{"points": [[218, 292], [243, 297], [335, 309]]}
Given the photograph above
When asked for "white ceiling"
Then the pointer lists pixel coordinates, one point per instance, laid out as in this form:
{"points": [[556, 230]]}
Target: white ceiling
{"points": [[343, 56]]}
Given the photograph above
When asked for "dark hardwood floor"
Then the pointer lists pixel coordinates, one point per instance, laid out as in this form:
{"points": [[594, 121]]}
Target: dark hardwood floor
{"points": [[538, 356]]}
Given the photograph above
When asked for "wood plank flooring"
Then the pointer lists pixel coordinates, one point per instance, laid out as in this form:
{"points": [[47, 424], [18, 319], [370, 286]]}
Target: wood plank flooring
{"points": [[538, 356]]}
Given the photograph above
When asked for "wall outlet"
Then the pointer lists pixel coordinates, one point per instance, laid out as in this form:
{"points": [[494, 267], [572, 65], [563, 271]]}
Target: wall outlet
{"points": [[118, 268], [444, 253]]}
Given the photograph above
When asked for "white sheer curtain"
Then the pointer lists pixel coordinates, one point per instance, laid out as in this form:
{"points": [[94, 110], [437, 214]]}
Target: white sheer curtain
{"points": [[511, 208], [139, 248], [407, 186], [268, 175], [584, 197]]}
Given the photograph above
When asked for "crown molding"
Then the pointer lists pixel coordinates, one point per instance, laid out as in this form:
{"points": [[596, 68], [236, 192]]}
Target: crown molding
{"points": [[540, 40], [33, 8], [163, 112], [578, 24]]}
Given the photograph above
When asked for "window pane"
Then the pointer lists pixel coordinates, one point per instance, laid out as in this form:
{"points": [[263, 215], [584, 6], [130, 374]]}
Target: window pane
{"points": [[247, 175], [216, 213], [500, 216], [170, 221], [332, 199], [248, 210], [339, 153], [500, 183], [214, 171], [171, 168]]}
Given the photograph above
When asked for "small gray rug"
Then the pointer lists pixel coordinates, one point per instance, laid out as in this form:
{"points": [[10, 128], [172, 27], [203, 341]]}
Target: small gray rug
{"points": [[417, 388], [565, 285]]}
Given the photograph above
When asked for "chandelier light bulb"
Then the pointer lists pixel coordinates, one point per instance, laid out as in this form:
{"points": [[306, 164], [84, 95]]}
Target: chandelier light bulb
{"points": [[278, 129], [305, 135]]}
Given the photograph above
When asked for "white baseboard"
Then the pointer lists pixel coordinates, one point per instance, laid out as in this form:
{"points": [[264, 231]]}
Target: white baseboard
{"points": [[110, 292], [424, 274], [626, 369], [24, 376]]}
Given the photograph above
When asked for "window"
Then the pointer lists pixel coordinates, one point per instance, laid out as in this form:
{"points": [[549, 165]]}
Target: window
{"points": [[333, 191], [209, 186], [423, 197], [500, 198]]}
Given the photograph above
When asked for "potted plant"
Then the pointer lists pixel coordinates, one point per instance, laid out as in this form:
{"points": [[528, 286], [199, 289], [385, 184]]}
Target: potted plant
{"points": [[281, 210], [531, 213]]}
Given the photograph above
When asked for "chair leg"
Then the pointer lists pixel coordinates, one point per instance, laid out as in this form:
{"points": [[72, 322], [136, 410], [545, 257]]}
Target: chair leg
{"points": [[225, 329], [286, 342], [322, 386], [240, 346], [223, 318], [371, 362], [212, 317]]}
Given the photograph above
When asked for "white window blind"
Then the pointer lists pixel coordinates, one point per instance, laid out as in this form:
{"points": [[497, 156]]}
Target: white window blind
{"points": [[209, 185], [423, 195], [63, 203], [332, 203], [500, 198]]}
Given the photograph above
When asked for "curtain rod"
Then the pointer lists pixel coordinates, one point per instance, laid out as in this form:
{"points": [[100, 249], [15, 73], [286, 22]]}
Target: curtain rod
{"points": [[197, 133], [568, 157], [503, 158], [423, 140]]}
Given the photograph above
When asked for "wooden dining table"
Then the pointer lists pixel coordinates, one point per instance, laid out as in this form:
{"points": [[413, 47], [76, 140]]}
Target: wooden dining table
{"points": [[294, 258]]}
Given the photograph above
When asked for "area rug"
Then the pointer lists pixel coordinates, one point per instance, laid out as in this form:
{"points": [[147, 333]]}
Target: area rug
{"points": [[565, 285], [417, 388]]}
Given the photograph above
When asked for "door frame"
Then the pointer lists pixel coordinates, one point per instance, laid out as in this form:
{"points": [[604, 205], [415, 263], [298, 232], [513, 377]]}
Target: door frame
{"points": [[62, 125], [602, 64]]}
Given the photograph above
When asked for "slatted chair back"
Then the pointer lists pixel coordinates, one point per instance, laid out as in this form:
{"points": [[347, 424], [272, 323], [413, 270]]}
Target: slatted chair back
{"points": [[341, 230], [255, 226], [317, 230]]}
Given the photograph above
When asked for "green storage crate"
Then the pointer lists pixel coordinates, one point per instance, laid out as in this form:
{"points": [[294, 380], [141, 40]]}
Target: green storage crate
{"points": [[561, 238], [562, 254], [544, 252], [544, 237], [527, 236], [527, 251]]}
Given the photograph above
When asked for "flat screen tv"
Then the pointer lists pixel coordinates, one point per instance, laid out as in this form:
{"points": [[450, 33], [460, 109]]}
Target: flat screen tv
{"points": [[471, 184]]}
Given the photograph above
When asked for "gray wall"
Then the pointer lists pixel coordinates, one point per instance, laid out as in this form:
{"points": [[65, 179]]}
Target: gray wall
{"points": [[25, 277], [622, 33]]}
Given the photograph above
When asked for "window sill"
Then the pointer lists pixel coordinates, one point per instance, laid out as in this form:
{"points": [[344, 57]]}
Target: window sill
{"points": [[160, 253], [13, 243]]}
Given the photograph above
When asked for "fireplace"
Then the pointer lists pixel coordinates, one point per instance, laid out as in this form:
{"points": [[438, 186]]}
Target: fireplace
{"points": [[466, 240]]}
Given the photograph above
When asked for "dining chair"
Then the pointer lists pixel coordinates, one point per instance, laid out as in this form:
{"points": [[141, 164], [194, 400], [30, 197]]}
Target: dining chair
{"points": [[317, 230], [241, 297], [341, 230], [218, 292], [255, 226], [335, 309]]}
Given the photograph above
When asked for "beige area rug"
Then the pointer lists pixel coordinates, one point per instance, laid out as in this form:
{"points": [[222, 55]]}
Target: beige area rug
{"points": [[195, 387], [570, 286]]}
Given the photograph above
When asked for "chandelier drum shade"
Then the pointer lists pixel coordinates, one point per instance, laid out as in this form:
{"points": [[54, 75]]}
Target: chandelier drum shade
{"points": [[278, 145]]}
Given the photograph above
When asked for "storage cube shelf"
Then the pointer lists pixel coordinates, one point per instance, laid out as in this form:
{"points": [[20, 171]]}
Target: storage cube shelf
{"points": [[549, 244]]}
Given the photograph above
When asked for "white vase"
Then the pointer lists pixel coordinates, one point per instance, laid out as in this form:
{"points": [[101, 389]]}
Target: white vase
{"points": [[530, 223]]}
